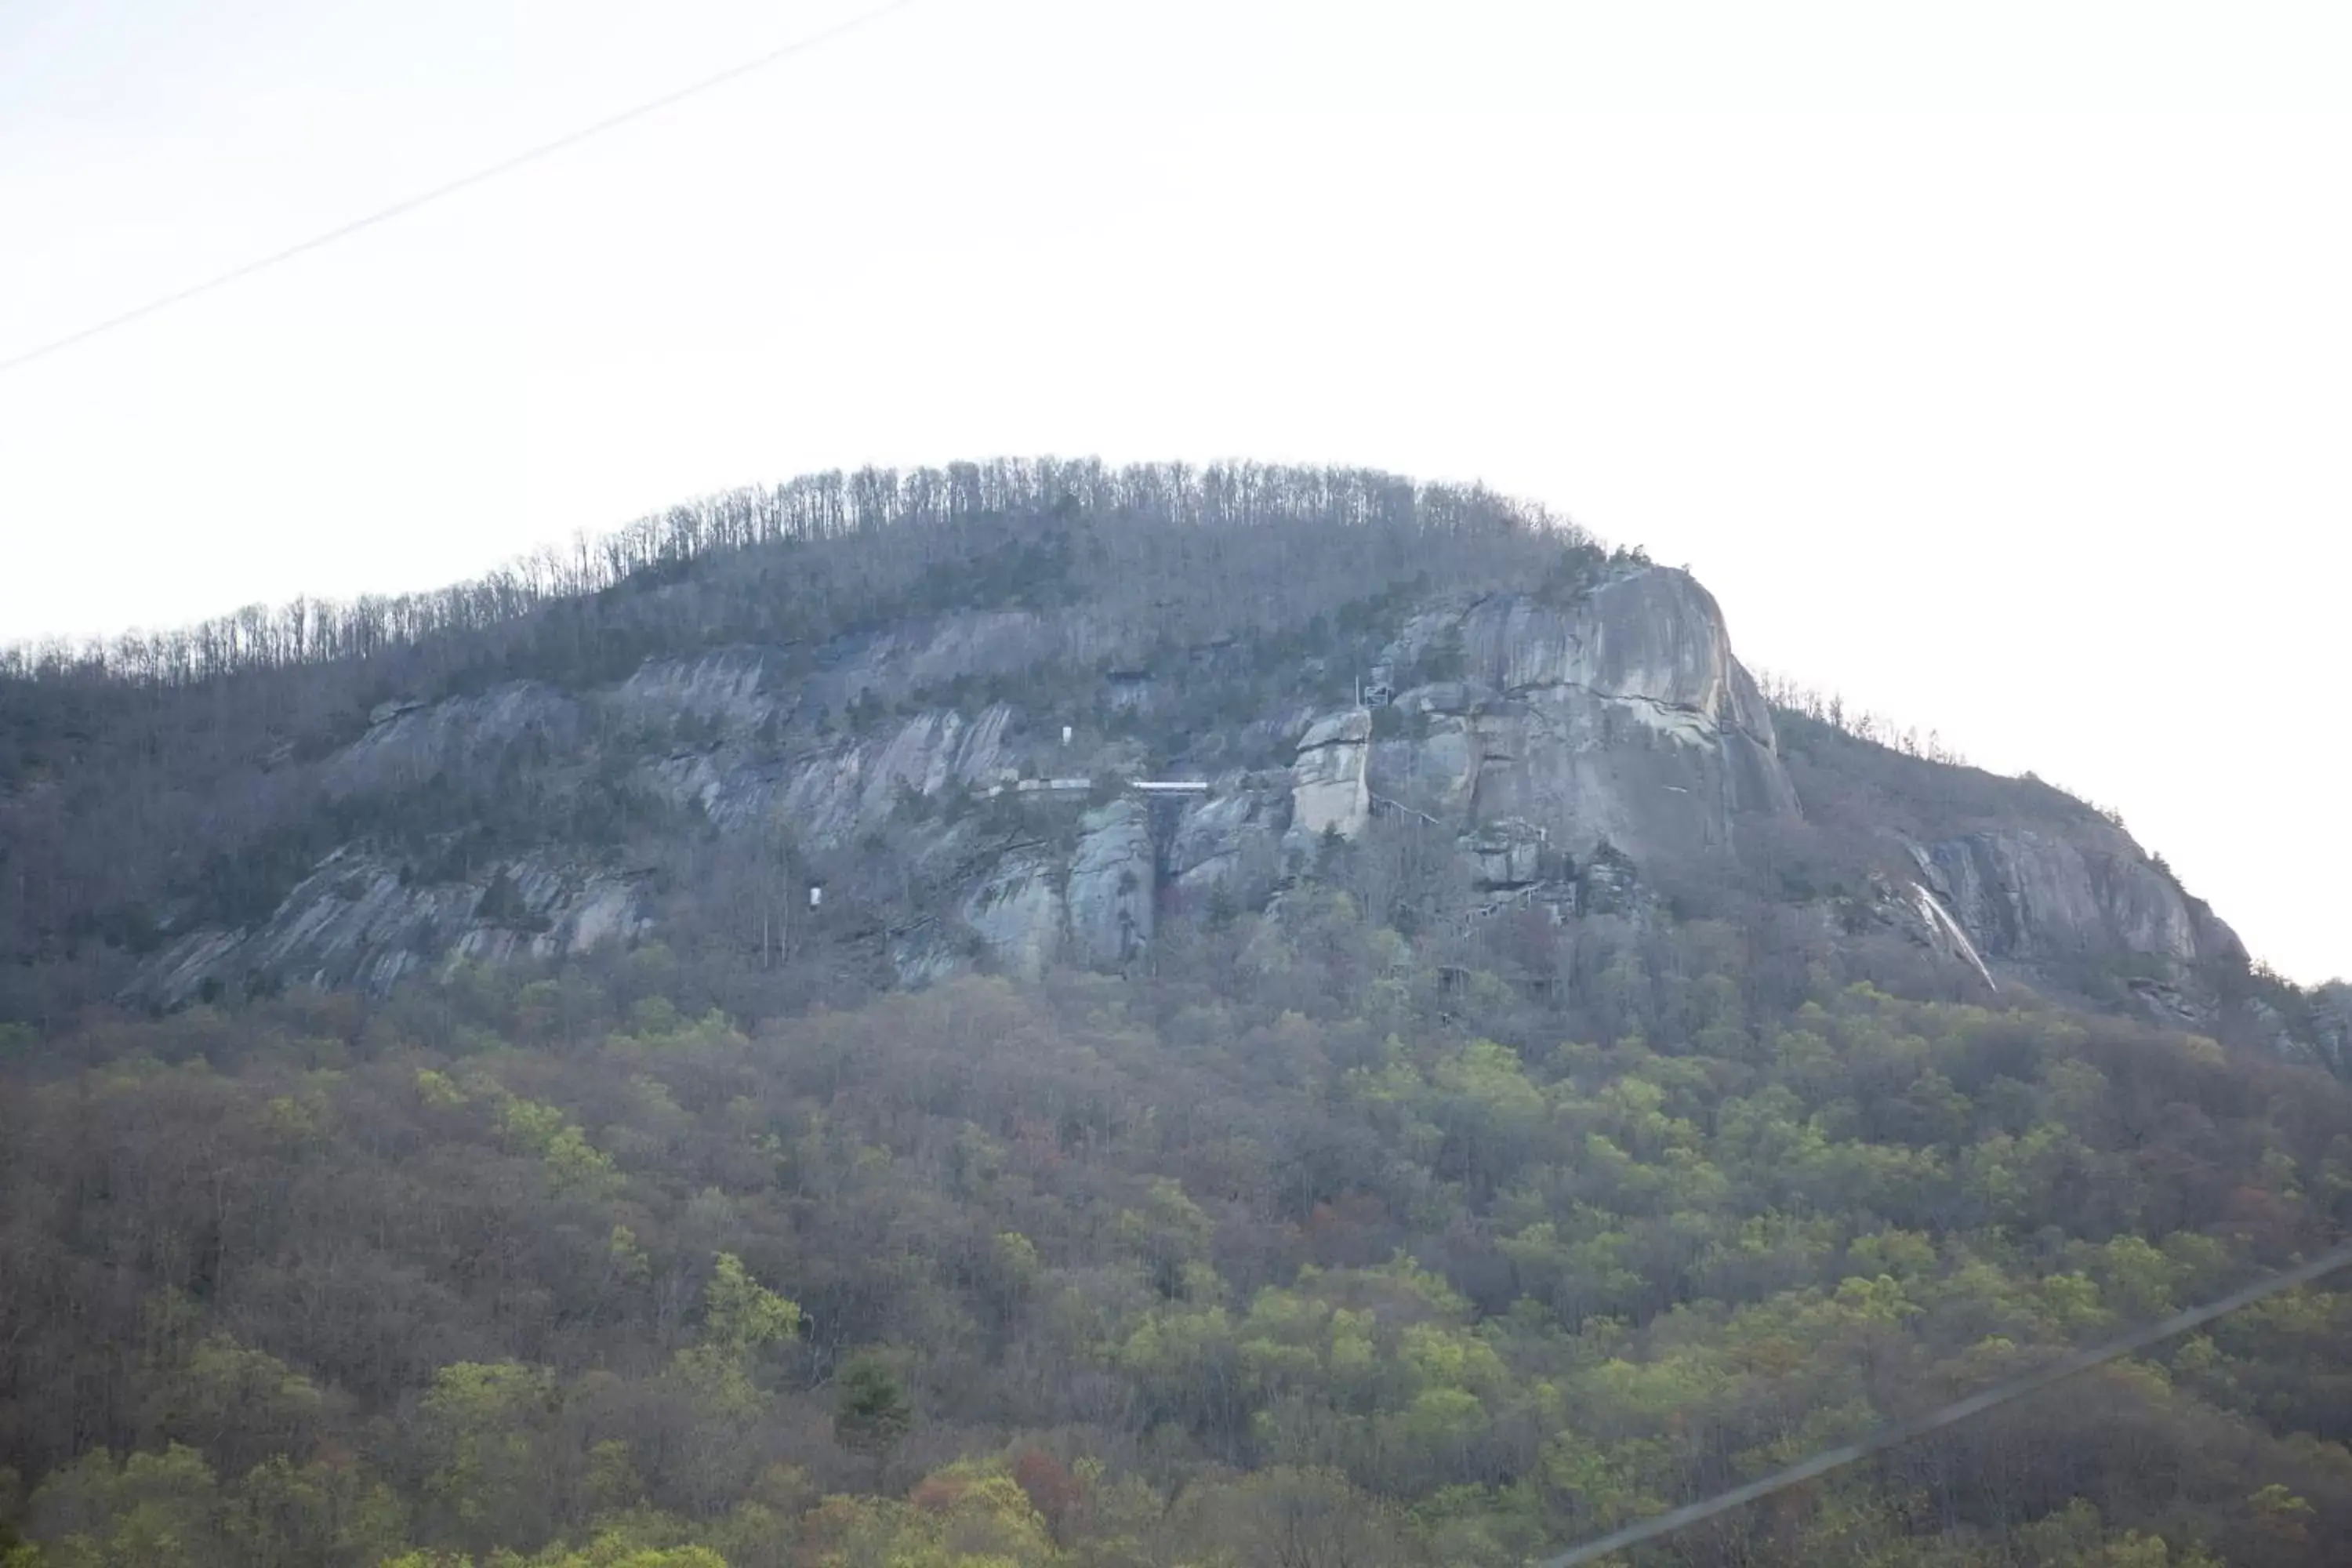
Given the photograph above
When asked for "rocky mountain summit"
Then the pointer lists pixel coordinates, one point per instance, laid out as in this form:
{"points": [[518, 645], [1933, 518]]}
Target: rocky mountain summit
{"points": [[983, 775]]}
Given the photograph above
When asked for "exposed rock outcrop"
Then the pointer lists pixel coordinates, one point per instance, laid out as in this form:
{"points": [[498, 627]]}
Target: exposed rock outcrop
{"points": [[825, 794], [1231, 841], [1016, 915], [1652, 640], [1607, 884], [1506, 854], [731, 688], [2031, 897], [1329, 793], [358, 922], [1908, 909], [408, 743], [1566, 748], [1113, 881], [1622, 717], [1030, 907]]}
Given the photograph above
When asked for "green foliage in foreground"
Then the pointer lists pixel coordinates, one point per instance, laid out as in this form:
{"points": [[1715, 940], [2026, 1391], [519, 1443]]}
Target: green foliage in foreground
{"points": [[1307, 1256]]}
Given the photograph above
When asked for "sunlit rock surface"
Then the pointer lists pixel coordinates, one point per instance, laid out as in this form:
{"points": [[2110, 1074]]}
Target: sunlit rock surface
{"points": [[1329, 793]]}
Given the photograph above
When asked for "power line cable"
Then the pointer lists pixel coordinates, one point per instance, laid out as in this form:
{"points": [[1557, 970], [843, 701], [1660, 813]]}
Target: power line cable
{"points": [[466, 181], [1960, 1410]]}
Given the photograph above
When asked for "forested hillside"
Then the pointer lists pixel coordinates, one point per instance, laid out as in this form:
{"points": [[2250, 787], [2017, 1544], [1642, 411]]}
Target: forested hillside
{"points": [[1299, 1252], [1528, 1076]]}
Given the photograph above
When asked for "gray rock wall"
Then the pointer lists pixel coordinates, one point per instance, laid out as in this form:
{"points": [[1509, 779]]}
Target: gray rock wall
{"points": [[1114, 880], [2031, 896], [1329, 792], [357, 924], [1622, 718], [1575, 744]]}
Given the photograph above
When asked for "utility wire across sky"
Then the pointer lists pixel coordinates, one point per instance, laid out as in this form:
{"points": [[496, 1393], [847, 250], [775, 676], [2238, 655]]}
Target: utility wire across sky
{"points": [[1959, 1410], [466, 181]]}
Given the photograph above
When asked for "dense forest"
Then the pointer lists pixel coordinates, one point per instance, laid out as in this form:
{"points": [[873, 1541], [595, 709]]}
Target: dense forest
{"points": [[1292, 1250], [1332, 1232], [1184, 550]]}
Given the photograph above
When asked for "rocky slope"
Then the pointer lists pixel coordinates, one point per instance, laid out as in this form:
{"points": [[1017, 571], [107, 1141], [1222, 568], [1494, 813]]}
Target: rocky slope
{"points": [[967, 789]]}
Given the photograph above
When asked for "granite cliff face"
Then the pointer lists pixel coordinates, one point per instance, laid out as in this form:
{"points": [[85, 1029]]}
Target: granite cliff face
{"points": [[358, 921], [1623, 717], [1567, 749], [1331, 789], [2032, 896]]}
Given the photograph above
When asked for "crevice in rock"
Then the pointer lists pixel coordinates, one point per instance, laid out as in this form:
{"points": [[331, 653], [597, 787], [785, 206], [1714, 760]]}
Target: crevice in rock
{"points": [[1655, 704]]}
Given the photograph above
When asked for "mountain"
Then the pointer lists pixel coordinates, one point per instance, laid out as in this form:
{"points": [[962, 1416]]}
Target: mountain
{"points": [[1035, 1014], [875, 684]]}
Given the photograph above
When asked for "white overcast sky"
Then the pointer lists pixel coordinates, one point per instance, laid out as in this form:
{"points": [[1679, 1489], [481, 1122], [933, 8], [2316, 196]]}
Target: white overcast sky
{"points": [[1989, 361]]}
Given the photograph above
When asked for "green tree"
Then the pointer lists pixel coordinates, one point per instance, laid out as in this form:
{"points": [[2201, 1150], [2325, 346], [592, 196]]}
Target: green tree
{"points": [[741, 1317], [871, 1411], [150, 1511], [290, 1515], [486, 1428]]}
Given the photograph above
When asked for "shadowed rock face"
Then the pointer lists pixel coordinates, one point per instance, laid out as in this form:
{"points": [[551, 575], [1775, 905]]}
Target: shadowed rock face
{"points": [[1030, 909], [2332, 1030], [1112, 881], [2031, 897], [1565, 749], [1014, 914], [1506, 854], [407, 744], [356, 922], [1230, 841], [732, 688]]}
